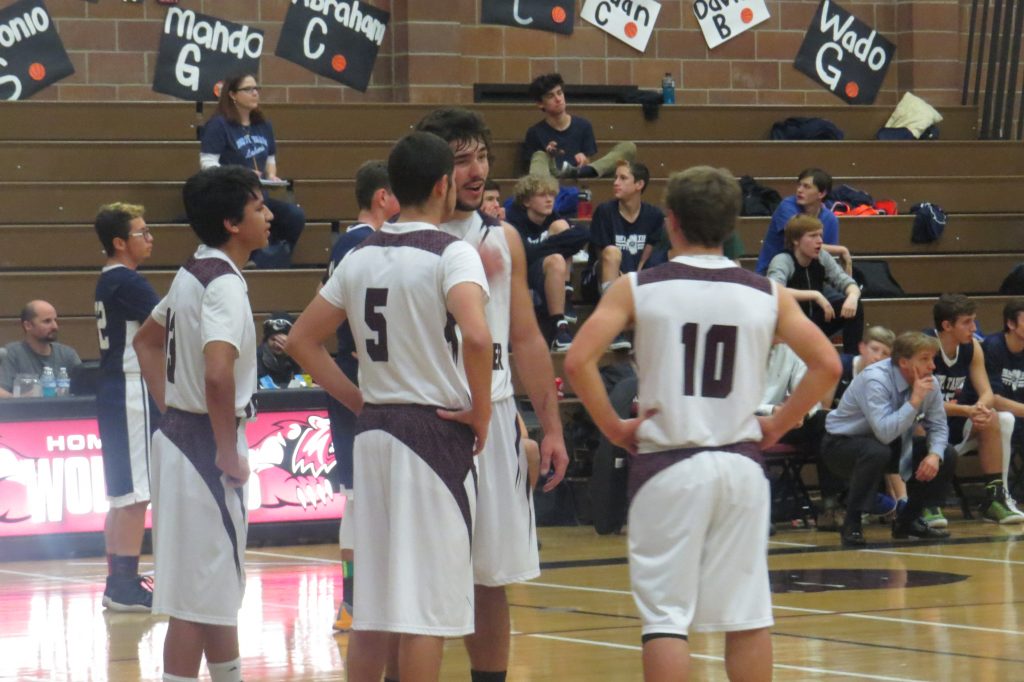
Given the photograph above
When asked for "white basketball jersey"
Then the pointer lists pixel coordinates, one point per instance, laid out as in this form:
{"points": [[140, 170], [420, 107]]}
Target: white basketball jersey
{"points": [[475, 232], [704, 328], [208, 301], [394, 289]]}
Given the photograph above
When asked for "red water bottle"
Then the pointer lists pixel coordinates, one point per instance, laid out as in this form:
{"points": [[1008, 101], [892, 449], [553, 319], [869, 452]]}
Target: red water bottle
{"points": [[584, 209]]}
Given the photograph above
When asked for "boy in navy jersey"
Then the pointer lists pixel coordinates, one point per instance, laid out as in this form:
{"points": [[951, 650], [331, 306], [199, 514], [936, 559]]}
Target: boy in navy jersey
{"points": [[124, 410], [1004, 363]]}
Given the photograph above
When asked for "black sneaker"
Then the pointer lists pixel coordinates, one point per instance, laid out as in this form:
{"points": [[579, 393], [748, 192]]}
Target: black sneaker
{"points": [[620, 342], [570, 310], [129, 593], [562, 340]]}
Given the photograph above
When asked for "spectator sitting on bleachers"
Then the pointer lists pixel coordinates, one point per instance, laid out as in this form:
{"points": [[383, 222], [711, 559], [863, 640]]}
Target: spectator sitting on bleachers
{"points": [[813, 186], [876, 345], [274, 367], [550, 243], [620, 232], [238, 134], [1004, 363], [805, 268], [492, 200], [37, 350], [562, 145], [874, 424], [973, 424]]}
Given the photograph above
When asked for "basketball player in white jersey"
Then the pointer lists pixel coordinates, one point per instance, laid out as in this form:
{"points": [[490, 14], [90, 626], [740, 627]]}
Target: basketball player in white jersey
{"points": [[505, 534], [197, 351], [699, 510], [403, 291]]}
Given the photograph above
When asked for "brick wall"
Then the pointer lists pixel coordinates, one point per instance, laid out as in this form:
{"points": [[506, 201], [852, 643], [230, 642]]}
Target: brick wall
{"points": [[434, 51]]}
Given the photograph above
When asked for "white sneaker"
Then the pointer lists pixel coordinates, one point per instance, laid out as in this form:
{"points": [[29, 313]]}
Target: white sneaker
{"points": [[581, 256]]}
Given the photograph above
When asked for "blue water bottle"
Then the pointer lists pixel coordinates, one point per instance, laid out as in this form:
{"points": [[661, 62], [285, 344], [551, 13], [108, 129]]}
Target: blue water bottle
{"points": [[49, 383], [668, 89]]}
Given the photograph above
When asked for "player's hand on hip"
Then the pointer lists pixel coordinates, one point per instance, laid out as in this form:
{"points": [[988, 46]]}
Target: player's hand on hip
{"points": [[553, 455], [625, 433], [474, 419], [771, 431], [235, 469]]}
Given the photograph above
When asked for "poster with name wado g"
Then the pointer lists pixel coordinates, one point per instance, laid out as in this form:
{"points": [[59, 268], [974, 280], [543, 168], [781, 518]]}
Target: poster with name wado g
{"points": [[723, 20], [556, 16], [337, 39], [198, 51], [631, 21], [32, 55], [844, 54]]}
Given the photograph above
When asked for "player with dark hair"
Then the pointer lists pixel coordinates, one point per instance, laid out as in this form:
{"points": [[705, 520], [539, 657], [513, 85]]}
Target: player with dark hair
{"points": [[699, 507], [197, 352], [404, 291], [505, 534], [125, 413]]}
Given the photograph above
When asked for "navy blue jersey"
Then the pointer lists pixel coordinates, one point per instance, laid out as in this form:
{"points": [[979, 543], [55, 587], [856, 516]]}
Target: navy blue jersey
{"points": [[352, 238], [124, 299], [609, 228], [954, 374], [1005, 369], [578, 137], [238, 145]]}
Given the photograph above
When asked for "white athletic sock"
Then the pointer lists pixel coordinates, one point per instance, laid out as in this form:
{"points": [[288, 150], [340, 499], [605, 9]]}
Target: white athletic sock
{"points": [[178, 678], [228, 671]]}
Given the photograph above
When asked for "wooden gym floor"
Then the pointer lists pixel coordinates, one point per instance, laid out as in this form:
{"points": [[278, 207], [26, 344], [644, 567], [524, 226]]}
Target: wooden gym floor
{"points": [[895, 611]]}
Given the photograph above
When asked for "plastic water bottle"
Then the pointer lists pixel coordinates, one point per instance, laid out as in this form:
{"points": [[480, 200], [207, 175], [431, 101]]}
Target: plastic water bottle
{"points": [[48, 382], [63, 382], [668, 89]]}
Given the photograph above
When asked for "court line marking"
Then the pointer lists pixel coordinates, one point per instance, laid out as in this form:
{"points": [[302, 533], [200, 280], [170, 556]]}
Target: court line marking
{"points": [[791, 544], [817, 612], [44, 576], [706, 657], [958, 557], [293, 557]]}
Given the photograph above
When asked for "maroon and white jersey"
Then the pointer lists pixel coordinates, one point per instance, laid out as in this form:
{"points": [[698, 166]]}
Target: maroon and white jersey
{"points": [[208, 301], [393, 288], [704, 328], [490, 236]]}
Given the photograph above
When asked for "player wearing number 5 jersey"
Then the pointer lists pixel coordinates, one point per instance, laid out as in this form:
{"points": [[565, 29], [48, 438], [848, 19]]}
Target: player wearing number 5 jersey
{"points": [[699, 500], [198, 354], [125, 412], [404, 290]]}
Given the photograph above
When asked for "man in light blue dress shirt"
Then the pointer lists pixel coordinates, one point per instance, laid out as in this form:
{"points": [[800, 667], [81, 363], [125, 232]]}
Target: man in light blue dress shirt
{"points": [[873, 426]]}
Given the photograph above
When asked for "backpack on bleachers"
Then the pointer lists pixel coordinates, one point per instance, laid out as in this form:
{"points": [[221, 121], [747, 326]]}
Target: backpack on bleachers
{"points": [[851, 196], [1013, 285], [804, 128], [758, 199], [875, 279], [929, 222]]}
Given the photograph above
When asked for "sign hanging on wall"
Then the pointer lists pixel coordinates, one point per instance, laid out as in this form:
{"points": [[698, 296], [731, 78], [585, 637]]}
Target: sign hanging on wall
{"points": [[32, 55], [337, 39], [556, 16], [198, 51], [723, 20], [631, 21], [844, 55]]}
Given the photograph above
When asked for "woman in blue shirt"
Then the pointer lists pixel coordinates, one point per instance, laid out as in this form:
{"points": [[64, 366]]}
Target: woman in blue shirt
{"points": [[238, 134]]}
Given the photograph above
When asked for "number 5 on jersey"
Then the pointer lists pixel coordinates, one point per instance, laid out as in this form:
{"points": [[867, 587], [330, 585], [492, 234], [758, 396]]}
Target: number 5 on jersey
{"points": [[376, 299]]}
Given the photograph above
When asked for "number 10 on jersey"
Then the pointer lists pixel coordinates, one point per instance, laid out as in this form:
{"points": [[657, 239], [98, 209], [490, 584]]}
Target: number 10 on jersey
{"points": [[719, 359]]}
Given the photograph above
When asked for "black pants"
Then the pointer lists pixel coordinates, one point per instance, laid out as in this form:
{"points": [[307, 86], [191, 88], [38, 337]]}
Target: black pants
{"points": [[862, 460], [852, 327]]}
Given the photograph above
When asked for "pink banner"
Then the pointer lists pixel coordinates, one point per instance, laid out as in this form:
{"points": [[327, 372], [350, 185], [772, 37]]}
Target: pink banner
{"points": [[51, 473]]}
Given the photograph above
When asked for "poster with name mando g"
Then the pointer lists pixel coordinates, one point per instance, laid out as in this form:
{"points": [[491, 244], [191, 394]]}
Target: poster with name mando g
{"points": [[198, 51]]}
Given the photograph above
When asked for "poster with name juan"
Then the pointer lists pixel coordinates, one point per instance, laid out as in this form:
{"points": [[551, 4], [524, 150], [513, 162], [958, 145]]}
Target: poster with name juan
{"points": [[198, 51], [631, 21], [844, 55], [337, 39], [32, 55], [556, 16]]}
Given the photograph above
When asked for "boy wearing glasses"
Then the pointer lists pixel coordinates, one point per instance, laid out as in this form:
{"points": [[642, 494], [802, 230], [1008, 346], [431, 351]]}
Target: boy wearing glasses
{"points": [[124, 410]]}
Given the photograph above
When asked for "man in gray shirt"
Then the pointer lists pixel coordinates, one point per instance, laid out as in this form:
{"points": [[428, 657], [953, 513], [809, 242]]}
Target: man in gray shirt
{"points": [[873, 427], [37, 350]]}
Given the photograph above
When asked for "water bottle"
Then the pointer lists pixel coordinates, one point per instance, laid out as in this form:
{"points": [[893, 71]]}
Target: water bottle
{"points": [[49, 383], [63, 382], [584, 209], [668, 89]]}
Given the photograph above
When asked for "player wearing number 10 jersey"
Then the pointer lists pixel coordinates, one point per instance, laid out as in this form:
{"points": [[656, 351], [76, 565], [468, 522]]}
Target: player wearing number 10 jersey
{"points": [[698, 519], [403, 291]]}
